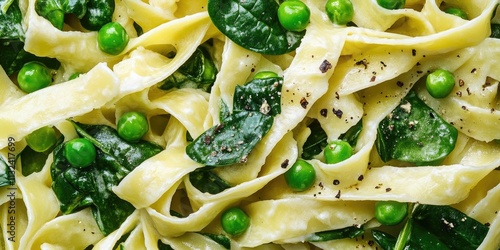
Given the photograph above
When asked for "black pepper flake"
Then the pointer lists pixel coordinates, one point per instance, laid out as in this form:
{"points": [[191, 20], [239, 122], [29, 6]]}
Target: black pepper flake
{"points": [[320, 185], [337, 96], [459, 93], [468, 91], [400, 84], [383, 64], [413, 52], [487, 224], [336, 182], [419, 72], [360, 178], [304, 102], [474, 70], [218, 128], [373, 78], [388, 189], [323, 112], [325, 66], [284, 164], [464, 107], [362, 62], [338, 113], [338, 195], [207, 140], [461, 82]]}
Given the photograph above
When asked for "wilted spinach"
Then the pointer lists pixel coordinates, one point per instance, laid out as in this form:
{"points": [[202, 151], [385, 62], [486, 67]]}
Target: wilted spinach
{"points": [[342, 233], [197, 72], [6, 174], [10, 21], [415, 133], [254, 25], [208, 182], [32, 161], [77, 188], [235, 137]]}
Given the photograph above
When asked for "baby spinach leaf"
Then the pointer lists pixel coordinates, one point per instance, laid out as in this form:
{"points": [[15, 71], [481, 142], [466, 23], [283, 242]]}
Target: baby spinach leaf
{"points": [[254, 25], [415, 133], [352, 134], [10, 21], [420, 238], [219, 238], [77, 188], [237, 134], [13, 57], [6, 175], [232, 140], [316, 141], [452, 227], [32, 161], [348, 232], [207, 181], [99, 13], [163, 246], [54, 10], [262, 95], [384, 240], [197, 72]]}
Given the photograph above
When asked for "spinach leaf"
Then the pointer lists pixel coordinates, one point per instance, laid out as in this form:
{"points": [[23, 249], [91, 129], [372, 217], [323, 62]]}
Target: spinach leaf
{"points": [[316, 141], [415, 133], [262, 95], [77, 188], [234, 138], [352, 134], [163, 246], [32, 161], [453, 228], [219, 238], [420, 238], [54, 10], [208, 182], [99, 13], [13, 57], [348, 232], [254, 25], [197, 72], [10, 21], [384, 240], [6, 174]]}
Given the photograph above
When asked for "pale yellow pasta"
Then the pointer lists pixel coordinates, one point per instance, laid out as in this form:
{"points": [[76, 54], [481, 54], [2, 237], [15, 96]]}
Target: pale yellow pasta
{"points": [[372, 65]]}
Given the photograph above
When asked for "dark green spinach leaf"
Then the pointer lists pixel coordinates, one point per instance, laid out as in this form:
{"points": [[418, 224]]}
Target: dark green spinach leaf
{"points": [[54, 10], [219, 238], [13, 57], [208, 182], [415, 133], [163, 246], [342, 233], [254, 25], [452, 227], [352, 134], [99, 13], [197, 72], [32, 161], [262, 95], [10, 21], [384, 240], [77, 188], [6, 174], [235, 137], [316, 141]]}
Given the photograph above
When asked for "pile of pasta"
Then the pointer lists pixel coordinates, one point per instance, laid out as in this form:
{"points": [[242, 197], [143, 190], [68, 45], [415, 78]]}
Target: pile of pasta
{"points": [[397, 48]]}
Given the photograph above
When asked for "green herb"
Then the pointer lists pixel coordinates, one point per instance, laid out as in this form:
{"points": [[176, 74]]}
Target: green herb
{"points": [[54, 10], [415, 133], [77, 188], [235, 137], [197, 72], [348, 232], [208, 182], [254, 25]]}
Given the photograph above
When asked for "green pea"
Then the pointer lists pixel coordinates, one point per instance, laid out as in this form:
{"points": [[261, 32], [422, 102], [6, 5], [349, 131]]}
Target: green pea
{"points": [[294, 15], [80, 152], [301, 176], [33, 76], [265, 74], [391, 4], [440, 83], [112, 38], [339, 11], [132, 126], [235, 221], [337, 151], [390, 213], [42, 139], [457, 12]]}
